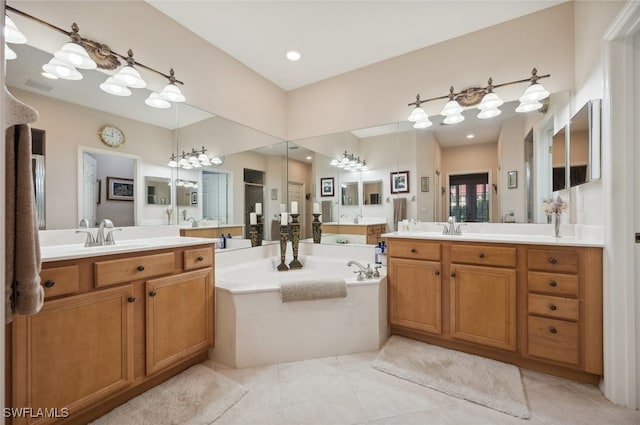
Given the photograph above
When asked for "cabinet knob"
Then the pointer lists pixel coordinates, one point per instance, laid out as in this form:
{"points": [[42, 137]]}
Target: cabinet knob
{"points": [[49, 283], [553, 330], [553, 260], [152, 293], [200, 258], [553, 307], [141, 268], [413, 250], [131, 299], [481, 255], [553, 284], [437, 272], [452, 274]]}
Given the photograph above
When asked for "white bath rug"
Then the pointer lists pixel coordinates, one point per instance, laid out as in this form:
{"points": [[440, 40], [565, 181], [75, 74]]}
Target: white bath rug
{"points": [[477, 379], [197, 396]]}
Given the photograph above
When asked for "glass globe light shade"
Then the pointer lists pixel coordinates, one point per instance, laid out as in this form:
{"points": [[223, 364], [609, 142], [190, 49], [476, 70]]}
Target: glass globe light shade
{"points": [[76, 55], [452, 107], [172, 93], [489, 113], [454, 119], [62, 69], [490, 101], [423, 124], [418, 114], [111, 86], [528, 106], [155, 101], [11, 32], [130, 77], [534, 93], [8, 53]]}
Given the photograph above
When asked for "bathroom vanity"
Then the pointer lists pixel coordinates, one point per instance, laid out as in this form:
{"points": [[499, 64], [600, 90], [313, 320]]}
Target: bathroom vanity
{"points": [[372, 232], [116, 321], [213, 231], [533, 301]]}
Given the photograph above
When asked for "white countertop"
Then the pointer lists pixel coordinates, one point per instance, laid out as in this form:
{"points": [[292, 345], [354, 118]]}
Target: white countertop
{"points": [[498, 238], [73, 251]]}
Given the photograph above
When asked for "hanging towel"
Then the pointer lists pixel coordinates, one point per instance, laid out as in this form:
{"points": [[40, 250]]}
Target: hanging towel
{"points": [[23, 292], [399, 211]]}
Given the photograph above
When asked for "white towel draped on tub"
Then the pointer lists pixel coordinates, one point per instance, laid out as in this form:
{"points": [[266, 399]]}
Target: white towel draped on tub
{"points": [[313, 290]]}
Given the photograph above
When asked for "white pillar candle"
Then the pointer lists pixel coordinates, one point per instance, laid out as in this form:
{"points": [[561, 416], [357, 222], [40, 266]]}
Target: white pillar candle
{"points": [[316, 208], [253, 219], [294, 207], [259, 208], [282, 208], [284, 219]]}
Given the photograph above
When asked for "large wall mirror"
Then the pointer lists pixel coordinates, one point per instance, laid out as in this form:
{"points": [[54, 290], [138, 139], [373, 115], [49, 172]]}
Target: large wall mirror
{"points": [[584, 144]]}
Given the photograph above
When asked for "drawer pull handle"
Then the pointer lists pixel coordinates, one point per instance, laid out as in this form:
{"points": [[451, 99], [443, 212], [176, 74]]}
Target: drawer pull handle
{"points": [[131, 299], [140, 268], [481, 255], [553, 307], [437, 272], [200, 258], [553, 330], [553, 284], [453, 274], [553, 260], [152, 293], [49, 283], [413, 250]]}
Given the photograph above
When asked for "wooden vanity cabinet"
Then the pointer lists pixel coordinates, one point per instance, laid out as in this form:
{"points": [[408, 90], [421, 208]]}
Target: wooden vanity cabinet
{"points": [[536, 306], [372, 232], [130, 322]]}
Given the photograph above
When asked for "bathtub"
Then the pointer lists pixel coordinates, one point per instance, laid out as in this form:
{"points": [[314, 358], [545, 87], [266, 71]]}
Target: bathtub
{"points": [[253, 326]]}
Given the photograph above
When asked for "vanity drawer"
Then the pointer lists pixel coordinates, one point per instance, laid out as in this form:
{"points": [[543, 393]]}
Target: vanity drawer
{"points": [[372, 230], [553, 339], [198, 258], [135, 268], [557, 307], [60, 281], [553, 260], [484, 255], [416, 249], [553, 283]]}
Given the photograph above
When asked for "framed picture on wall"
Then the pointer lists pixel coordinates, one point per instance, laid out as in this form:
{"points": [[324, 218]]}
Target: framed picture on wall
{"points": [[400, 182], [326, 186], [119, 189], [194, 198], [424, 184]]}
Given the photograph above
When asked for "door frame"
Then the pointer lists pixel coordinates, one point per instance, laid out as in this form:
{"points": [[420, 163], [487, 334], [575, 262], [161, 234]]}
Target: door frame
{"points": [[621, 383], [491, 192]]}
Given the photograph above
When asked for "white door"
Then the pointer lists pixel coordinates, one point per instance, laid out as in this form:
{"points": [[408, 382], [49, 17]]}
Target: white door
{"points": [[89, 174]]}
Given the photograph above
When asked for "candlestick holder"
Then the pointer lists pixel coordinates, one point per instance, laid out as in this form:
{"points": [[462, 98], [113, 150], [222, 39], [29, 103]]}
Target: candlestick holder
{"points": [[253, 235], [282, 267], [295, 241], [316, 226], [259, 229]]}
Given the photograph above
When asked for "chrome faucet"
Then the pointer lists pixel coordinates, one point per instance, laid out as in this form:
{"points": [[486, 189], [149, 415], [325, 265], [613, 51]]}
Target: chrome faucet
{"points": [[367, 271], [194, 222], [450, 228], [355, 219], [100, 240]]}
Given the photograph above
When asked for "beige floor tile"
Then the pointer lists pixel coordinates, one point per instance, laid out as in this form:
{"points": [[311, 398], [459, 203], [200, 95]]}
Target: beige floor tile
{"points": [[252, 375], [291, 371], [357, 361], [463, 413], [591, 392], [328, 366], [261, 405], [532, 379], [558, 405], [382, 395], [346, 411], [317, 388]]}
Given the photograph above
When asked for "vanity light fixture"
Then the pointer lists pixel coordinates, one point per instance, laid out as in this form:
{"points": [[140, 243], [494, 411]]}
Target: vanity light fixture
{"points": [[487, 101], [194, 159], [350, 163], [84, 53]]}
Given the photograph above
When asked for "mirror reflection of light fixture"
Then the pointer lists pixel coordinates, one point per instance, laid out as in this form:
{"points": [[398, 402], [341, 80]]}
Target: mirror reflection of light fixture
{"points": [[9, 54], [12, 35], [350, 162], [487, 101], [194, 159], [84, 53]]}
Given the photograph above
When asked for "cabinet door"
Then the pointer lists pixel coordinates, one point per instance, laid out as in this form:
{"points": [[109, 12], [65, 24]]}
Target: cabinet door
{"points": [[415, 294], [483, 305], [75, 352], [179, 317]]}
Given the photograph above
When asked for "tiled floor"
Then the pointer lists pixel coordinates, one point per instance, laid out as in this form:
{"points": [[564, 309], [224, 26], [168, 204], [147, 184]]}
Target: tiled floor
{"points": [[347, 390]]}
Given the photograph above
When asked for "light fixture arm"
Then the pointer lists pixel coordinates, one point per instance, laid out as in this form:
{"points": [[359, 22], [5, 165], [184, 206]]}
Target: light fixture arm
{"points": [[104, 49]]}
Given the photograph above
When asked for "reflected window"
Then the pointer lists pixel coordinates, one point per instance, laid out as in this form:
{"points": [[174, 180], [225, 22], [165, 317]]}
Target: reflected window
{"points": [[469, 197]]}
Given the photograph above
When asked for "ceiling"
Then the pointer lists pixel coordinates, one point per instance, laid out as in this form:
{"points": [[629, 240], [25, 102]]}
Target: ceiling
{"points": [[334, 37]]}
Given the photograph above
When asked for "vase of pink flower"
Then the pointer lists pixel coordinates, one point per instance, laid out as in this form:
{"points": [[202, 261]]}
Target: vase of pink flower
{"points": [[553, 208]]}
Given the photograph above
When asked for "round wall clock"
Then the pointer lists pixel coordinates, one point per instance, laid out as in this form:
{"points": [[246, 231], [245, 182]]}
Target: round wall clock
{"points": [[111, 136]]}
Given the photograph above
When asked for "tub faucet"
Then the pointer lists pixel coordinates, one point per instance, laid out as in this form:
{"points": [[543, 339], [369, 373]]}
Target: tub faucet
{"points": [[355, 219], [367, 271], [194, 222]]}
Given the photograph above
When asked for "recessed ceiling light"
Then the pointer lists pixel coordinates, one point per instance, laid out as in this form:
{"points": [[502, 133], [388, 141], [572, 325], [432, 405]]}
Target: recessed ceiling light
{"points": [[309, 158], [293, 56], [470, 136]]}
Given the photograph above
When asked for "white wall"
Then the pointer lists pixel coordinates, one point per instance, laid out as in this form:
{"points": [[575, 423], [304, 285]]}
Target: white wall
{"points": [[511, 158]]}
